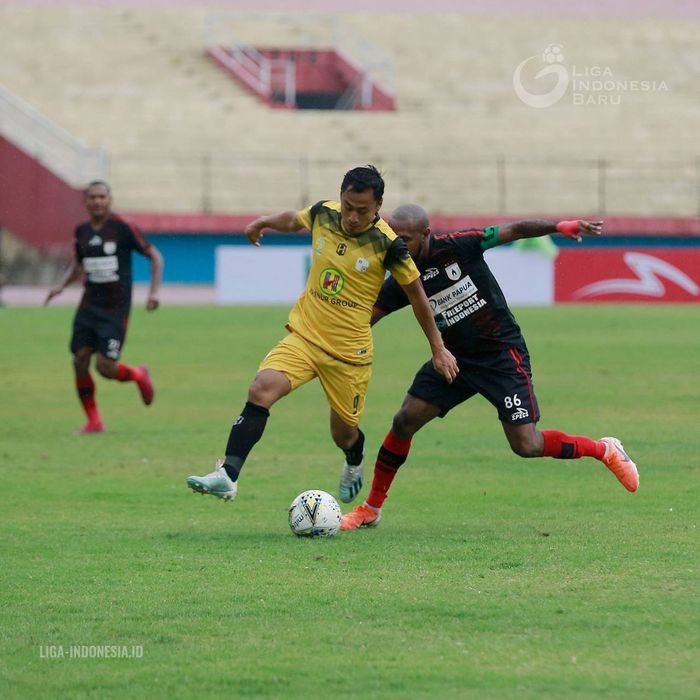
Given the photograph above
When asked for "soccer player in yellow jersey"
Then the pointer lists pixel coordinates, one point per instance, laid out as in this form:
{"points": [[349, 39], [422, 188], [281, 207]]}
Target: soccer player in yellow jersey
{"points": [[329, 327]]}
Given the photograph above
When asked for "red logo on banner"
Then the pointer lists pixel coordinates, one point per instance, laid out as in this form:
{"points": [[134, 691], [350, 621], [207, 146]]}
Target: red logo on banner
{"points": [[648, 274]]}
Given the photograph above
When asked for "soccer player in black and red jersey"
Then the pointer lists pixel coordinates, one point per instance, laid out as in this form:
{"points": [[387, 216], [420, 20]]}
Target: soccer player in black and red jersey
{"points": [[103, 247], [479, 329]]}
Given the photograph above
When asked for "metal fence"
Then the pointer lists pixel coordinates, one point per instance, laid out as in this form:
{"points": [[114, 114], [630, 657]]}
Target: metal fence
{"points": [[245, 182]]}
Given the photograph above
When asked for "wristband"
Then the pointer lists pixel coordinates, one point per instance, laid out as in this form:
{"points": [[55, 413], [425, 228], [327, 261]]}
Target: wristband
{"points": [[490, 239], [569, 228]]}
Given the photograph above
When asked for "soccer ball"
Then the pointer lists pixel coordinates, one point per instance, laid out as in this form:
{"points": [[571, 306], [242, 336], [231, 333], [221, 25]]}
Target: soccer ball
{"points": [[314, 513]]}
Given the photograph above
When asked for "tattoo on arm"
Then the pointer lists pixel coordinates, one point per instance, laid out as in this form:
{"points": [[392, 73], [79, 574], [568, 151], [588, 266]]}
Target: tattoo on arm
{"points": [[533, 228]]}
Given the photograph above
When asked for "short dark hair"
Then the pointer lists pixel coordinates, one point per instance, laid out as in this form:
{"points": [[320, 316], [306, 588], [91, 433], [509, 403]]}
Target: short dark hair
{"points": [[363, 178], [94, 183]]}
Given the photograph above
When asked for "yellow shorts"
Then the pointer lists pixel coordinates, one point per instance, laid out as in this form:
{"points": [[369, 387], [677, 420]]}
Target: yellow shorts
{"points": [[345, 385]]}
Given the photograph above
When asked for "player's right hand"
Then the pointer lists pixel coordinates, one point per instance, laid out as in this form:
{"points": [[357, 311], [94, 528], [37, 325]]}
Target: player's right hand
{"points": [[52, 293], [253, 232], [446, 364]]}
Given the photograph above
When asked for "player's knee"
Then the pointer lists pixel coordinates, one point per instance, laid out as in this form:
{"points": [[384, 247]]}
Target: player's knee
{"points": [[344, 439], [265, 390], [261, 394], [81, 365], [525, 448], [104, 366], [81, 361], [403, 426]]}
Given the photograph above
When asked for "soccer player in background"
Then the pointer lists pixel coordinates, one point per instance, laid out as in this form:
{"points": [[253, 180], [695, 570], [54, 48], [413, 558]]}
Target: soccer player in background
{"points": [[329, 334], [480, 330], [103, 247]]}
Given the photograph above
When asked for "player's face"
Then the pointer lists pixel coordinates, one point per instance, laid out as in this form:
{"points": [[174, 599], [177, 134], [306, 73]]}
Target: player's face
{"points": [[413, 236], [358, 210], [98, 201]]}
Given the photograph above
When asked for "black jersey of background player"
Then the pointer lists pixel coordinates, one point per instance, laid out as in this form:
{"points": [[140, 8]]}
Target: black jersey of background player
{"points": [[470, 309], [106, 257]]}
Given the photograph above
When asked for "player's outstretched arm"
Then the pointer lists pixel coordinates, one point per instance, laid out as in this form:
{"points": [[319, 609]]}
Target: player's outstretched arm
{"points": [[284, 221], [534, 228], [70, 275], [152, 302], [443, 360]]}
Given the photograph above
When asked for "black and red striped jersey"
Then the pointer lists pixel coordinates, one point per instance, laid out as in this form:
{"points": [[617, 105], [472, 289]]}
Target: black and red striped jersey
{"points": [[105, 255], [470, 309]]}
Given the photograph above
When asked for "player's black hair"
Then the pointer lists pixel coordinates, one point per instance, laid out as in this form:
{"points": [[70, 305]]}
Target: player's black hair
{"points": [[363, 178], [98, 182]]}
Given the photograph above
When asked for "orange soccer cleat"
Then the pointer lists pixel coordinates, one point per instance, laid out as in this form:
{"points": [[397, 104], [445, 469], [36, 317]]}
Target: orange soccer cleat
{"points": [[620, 464], [360, 516]]}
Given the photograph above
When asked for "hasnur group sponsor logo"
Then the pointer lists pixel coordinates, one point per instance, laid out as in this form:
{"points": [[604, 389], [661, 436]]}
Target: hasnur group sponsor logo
{"points": [[331, 282]]}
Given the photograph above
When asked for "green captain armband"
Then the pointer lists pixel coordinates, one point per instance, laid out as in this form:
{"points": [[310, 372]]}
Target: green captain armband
{"points": [[490, 239]]}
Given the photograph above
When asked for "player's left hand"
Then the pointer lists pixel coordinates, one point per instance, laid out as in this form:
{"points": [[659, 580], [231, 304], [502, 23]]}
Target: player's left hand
{"points": [[586, 228], [152, 303], [590, 228], [446, 364]]}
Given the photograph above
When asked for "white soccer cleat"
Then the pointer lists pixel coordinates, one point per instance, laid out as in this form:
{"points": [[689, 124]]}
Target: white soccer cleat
{"points": [[218, 483], [350, 481]]}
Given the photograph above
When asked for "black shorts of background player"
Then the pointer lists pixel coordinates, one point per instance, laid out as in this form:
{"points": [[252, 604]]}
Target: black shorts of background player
{"points": [[477, 326], [102, 253]]}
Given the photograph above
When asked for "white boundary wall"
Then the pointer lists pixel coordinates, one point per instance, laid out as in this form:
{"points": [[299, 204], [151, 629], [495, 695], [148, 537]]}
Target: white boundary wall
{"points": [[272, 275], [277, 275]]}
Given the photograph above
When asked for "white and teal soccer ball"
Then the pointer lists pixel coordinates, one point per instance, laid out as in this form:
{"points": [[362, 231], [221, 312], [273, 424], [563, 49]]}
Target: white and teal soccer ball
{"points": [[314, 513]]}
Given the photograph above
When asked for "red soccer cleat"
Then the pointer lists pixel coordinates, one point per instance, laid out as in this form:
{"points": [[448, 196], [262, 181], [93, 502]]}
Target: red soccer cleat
{"points": [[145, 385], [90, 427]]}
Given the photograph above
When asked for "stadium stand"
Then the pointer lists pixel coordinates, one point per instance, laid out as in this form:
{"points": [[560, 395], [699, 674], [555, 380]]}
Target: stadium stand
{"points": [[183, 137]]}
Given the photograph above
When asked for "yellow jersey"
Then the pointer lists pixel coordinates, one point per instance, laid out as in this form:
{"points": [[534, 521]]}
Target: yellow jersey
{"points": [[345, 276]]}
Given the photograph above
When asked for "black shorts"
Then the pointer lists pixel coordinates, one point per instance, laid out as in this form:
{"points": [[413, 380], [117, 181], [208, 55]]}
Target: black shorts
{"points": [[101, 331], [504, 378]]}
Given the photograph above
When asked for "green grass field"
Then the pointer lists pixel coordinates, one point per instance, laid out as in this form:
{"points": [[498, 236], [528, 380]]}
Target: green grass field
{"points": [[490, 576]]}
